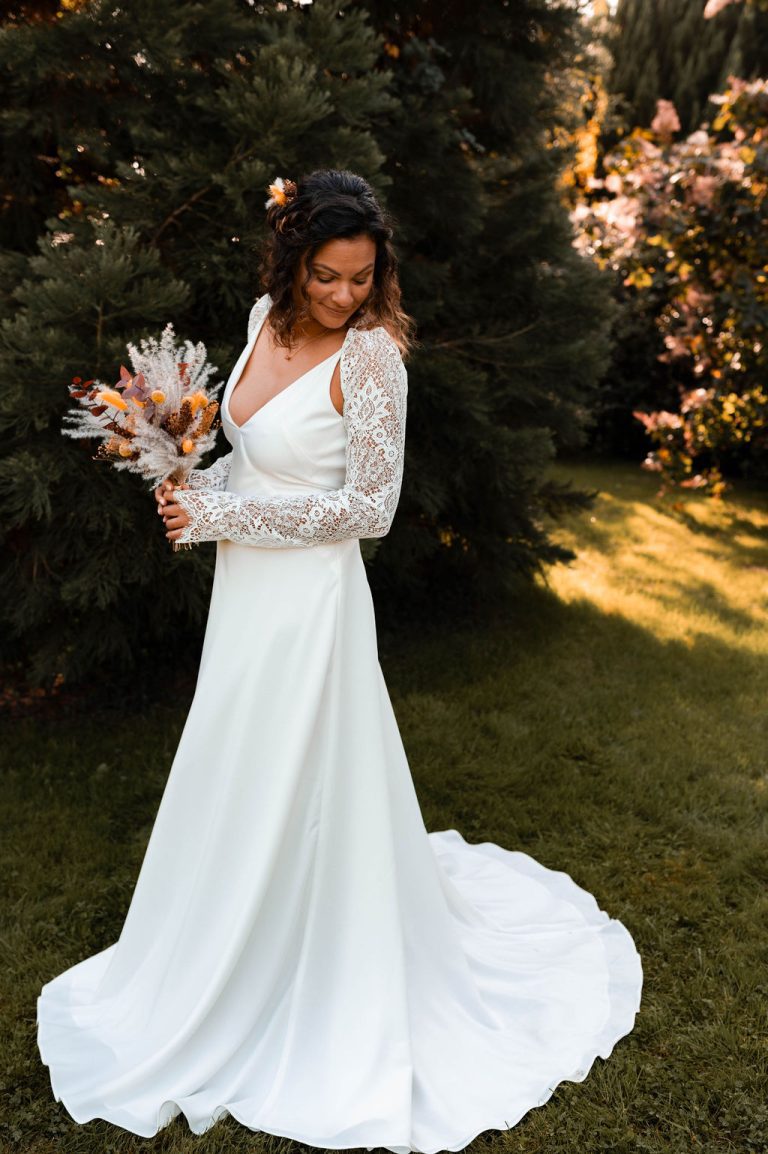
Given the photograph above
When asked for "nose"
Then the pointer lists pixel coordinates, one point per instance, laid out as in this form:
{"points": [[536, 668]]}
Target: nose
{"points": [[342, 297]]}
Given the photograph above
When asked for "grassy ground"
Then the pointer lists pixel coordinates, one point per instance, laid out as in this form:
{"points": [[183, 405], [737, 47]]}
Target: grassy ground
{"points": [[613, 725]]}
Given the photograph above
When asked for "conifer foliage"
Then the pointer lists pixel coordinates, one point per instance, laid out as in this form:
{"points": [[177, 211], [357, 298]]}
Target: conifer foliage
{"points": [[665, 49], [139, 141], [512, 319]]}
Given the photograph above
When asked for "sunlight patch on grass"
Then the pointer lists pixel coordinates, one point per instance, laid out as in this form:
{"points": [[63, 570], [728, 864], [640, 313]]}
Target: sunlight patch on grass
{"points": [[682, 567]]}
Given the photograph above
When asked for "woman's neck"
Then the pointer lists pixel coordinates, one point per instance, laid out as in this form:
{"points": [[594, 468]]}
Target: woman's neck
{"points": [[307, 329]]}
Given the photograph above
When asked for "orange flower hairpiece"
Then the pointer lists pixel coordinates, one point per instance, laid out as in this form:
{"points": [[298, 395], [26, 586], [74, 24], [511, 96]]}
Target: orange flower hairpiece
{"points": [[280, 192]]}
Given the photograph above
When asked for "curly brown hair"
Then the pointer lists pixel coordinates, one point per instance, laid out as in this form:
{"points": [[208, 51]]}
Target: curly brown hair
{"points": [[327, 205]]}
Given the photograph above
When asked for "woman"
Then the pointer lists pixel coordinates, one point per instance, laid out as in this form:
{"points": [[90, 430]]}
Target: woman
{"points": [[299, 952]]}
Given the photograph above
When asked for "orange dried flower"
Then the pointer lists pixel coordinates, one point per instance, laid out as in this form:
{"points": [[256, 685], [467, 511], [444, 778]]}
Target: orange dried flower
{"points": [[277, 193], [197, 400], [111, 397]]}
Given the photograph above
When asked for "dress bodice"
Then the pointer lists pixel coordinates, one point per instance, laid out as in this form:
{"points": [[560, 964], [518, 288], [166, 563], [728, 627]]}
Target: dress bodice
{"points": [[301, 474], [295, 443]]}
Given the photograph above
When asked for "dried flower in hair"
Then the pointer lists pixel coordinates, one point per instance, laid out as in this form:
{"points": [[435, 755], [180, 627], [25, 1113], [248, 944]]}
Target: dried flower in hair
{"points": [[280, 192], [276, 193]]}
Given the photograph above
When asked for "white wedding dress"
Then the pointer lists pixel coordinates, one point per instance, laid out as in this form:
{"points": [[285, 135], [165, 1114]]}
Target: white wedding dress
{"points": [[299, 952]]}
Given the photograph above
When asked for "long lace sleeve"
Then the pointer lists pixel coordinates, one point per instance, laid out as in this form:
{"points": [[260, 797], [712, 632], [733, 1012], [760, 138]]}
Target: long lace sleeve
{"points": [[374, 383], [214, 477]]}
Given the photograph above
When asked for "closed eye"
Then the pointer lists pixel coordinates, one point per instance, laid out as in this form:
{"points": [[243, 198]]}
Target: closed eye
{"points": [[327, 280], [325, 274]]}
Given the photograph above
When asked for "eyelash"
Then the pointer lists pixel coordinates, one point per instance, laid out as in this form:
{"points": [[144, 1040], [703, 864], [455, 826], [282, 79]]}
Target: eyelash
{"points": [[328, 280]]}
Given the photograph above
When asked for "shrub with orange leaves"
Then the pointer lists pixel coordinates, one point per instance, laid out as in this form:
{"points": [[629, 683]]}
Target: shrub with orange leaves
{"points": [[685, 222]]}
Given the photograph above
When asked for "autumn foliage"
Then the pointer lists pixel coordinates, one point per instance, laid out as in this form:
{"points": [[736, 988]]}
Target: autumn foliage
{"points": [[683, 222]]}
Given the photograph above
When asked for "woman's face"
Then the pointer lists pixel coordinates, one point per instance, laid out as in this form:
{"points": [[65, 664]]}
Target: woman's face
{"points": [[341, 281]]}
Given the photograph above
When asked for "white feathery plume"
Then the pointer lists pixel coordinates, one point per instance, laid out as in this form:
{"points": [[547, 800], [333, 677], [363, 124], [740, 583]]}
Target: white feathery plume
{"points": [[159, 425]]}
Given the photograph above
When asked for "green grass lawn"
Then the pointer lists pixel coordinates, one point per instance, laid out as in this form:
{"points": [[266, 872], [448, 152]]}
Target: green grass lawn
{"points": [[612, 723]]}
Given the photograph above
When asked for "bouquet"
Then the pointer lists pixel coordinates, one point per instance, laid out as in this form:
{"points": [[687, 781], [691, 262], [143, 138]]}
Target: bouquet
{"points": [[157, 421]]}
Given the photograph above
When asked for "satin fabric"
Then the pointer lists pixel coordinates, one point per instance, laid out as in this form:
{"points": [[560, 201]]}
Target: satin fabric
{"points": [[299, 951]]}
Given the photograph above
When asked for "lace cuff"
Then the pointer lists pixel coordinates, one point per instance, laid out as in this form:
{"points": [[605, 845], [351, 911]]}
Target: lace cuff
{"points": [[215, 477], [374, 415]]}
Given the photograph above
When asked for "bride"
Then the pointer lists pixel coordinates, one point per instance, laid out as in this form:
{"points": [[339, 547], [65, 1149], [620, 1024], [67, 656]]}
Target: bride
{"points": [[299, 952]]}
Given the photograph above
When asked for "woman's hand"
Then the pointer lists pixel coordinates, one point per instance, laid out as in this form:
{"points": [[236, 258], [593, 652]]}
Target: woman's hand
{"points": [[174, 517]]}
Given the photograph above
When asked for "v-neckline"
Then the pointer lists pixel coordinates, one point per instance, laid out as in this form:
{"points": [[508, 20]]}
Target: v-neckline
{"points": [[249, 347]]}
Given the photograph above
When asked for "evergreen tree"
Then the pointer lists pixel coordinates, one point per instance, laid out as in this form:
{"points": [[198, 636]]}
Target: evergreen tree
{"points": [[155, 129], [141, 140], [665, 49], [78, 591], [749, 48], [512, 319]]}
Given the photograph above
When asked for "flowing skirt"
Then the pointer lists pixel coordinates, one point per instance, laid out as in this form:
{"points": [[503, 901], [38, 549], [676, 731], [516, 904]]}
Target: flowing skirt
{"points": [[299, 951]]}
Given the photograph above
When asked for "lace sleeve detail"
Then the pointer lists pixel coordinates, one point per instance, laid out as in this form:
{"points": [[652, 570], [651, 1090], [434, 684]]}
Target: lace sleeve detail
{"points": [[257, 312], [375, 391], [214, 477]]}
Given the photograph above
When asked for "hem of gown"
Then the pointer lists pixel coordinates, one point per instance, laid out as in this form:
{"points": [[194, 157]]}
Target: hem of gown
{"points": [[624, 995], [322, 1143]]}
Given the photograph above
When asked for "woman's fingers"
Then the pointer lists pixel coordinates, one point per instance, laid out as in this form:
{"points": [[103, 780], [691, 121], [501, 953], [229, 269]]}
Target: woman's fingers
{"points": [[175, 518], [172, 512], [162, 491], [163, 494]]}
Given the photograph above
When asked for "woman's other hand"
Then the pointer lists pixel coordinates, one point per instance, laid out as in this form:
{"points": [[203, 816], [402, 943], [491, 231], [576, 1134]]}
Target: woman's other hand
{"points": [[163, 491], [174, 517]]}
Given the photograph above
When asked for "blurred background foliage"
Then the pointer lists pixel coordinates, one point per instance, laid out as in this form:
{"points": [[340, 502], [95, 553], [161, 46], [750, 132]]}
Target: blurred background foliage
{"points": [[667, 49], [139, 142], [686, 224], [578, 246], [672, 202]]}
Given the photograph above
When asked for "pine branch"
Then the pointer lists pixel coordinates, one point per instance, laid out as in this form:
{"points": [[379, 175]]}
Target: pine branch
{"points": [[483, 342], [182, 208]]}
